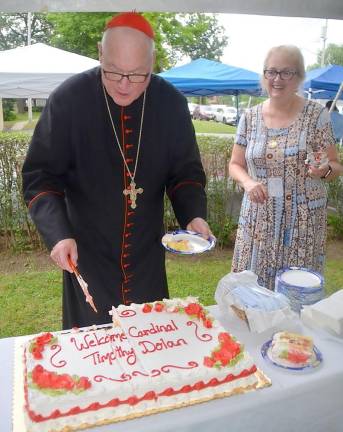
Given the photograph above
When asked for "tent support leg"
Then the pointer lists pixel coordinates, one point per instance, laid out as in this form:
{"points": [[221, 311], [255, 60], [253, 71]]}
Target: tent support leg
{"points": [[29, 109], [1, 117], [237, 107]]}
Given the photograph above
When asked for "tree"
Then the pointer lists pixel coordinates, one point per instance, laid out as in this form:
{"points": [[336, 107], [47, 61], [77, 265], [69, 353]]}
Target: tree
{"points": [[199, 36], [14, 29], [177, 35], [78, 32], [333, 55], [190, 35]]}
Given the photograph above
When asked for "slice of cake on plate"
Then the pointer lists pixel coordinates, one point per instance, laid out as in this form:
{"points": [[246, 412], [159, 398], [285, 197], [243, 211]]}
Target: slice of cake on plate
{"points": [[155, 357], [292, 349]]}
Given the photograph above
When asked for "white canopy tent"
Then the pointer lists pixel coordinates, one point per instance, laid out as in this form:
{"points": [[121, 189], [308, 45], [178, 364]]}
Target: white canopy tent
{"points": [[304, 8], [34, 71]]}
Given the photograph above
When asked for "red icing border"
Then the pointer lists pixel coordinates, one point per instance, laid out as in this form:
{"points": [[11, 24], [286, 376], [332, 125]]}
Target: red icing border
{"points": [[133, 400]]}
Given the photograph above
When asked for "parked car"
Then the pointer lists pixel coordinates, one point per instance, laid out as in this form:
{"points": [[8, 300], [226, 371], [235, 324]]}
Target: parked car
{"points": [[191, 107], [226, 115], [203, 112]]}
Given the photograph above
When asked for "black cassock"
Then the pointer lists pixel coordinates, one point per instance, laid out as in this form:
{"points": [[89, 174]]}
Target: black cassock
{"points": [[73, 181]]}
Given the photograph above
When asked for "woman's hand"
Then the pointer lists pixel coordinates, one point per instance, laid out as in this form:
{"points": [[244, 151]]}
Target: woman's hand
{"points": [[257, 192], [317, 172]]}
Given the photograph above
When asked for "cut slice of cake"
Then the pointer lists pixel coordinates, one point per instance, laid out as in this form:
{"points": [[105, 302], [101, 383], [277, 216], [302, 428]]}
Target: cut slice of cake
{"points": [[180, 245], [292, 349]]}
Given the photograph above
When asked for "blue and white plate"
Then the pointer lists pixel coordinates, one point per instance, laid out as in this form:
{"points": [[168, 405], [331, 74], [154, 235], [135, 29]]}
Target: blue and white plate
{"points": [[316, 358], [192, 242]]}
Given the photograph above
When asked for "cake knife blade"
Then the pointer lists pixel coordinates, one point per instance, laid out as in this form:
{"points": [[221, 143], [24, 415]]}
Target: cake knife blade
{"points": [[83, 284]]}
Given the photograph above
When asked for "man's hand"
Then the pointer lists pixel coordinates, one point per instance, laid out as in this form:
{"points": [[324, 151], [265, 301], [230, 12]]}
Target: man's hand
{"points": [[61, 251], [200, 226]]}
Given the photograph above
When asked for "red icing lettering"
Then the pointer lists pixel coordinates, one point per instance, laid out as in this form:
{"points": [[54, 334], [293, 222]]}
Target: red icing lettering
{"points": [[153, 329], [111, 356], [150, 347], [91, 340]]}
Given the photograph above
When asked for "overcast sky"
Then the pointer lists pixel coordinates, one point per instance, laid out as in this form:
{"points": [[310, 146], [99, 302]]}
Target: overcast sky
{"points": [[250, 37]]}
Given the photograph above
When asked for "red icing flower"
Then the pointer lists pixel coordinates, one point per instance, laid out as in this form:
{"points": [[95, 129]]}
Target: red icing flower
{"points": [[38, 344], [83, 383], [207, 323], [222, 357], [65, 381], [159, 307], [37, 352], [193, 309], [147, 308], [202, 315], [43, 339], [45, 379], [224, 338], [228, 349], [209, 362]]}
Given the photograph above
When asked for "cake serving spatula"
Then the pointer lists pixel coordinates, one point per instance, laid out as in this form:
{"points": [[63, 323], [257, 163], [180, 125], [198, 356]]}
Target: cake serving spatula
{"points": [[83, 284]]}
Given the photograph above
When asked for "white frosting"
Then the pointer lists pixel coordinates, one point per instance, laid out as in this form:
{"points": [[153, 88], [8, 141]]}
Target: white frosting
{"points": [[150, 352]]}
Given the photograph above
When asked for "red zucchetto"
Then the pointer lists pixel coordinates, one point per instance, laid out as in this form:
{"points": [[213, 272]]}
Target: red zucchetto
{"points": [[133, 20]]}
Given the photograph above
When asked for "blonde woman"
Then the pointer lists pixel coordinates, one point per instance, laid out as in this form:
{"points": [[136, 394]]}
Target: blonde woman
{"points": [[283, 214]]}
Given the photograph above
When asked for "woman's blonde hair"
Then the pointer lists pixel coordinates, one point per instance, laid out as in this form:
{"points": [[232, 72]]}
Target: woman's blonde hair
{"points": [[292, 52]]}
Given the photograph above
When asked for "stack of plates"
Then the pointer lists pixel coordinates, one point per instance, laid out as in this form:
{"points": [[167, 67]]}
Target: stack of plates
{"points": [[302, 286]]}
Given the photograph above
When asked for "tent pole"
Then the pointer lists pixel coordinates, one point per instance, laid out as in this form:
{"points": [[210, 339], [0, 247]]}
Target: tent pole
{"points": [[1, 117], [29, 109], [336, 97], [237, 107], [29, 100]]}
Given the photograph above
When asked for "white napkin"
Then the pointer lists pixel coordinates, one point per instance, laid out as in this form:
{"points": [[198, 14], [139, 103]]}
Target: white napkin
{"points": [[326, 314]]}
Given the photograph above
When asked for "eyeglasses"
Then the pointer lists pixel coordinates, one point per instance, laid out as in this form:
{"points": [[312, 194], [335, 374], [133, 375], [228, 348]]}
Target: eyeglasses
{"points": [[285, 74], [133, 77]]}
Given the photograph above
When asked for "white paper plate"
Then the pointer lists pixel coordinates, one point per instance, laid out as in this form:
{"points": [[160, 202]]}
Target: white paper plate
{"points": [[192, 242], [316, 359]]}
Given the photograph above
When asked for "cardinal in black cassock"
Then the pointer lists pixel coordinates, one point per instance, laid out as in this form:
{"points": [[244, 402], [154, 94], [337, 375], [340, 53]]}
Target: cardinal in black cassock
{"points": [[76, 183]]}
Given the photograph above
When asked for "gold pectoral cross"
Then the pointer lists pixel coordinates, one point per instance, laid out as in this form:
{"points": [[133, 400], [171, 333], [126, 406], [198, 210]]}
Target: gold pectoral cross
{"points": [[132, 191]]}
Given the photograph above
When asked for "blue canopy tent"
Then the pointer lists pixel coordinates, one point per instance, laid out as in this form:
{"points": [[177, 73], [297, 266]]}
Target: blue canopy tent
{"points": [[204, 77], [324, 83]]}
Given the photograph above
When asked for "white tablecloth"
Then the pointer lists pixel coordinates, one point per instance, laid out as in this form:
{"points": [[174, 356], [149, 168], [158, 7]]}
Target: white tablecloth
{"points": [[297, 401]]}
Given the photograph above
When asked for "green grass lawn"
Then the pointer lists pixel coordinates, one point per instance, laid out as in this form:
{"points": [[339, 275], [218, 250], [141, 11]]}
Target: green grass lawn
{"points": [[30, 301], [202, 126]]}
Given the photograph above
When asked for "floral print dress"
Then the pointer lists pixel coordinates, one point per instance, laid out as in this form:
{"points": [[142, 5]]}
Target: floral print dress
{"points": [[289, 229]]}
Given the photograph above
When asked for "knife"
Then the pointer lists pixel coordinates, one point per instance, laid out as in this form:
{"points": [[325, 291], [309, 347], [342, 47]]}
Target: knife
{"points": [[83, 284]]}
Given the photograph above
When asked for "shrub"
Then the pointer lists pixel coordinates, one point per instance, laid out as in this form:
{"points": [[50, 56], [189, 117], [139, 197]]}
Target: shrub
{"points": [[16, 229], [224, 198], [221, 192], [335, 226], [8, 107]]}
